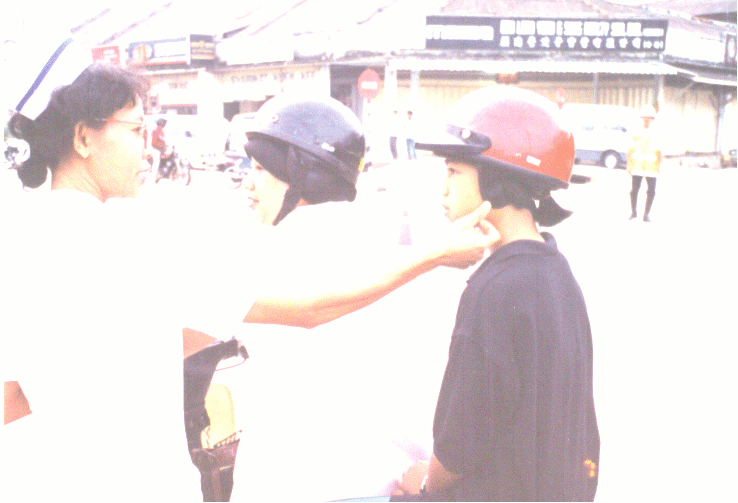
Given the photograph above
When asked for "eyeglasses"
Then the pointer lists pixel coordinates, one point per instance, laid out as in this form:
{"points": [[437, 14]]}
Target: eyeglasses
{"points": [[142, 125]]}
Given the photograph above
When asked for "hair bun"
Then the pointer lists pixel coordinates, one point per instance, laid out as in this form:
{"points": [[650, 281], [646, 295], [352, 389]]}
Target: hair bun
{"points": [[22, 127]]}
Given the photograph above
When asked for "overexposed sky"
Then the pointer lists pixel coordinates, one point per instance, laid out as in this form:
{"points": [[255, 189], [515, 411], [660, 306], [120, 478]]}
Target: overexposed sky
{"points": [[16, 16]]}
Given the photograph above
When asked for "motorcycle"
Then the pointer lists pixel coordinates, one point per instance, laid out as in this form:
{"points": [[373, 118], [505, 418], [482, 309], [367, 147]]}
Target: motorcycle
{"points": [[174, 167], [215, 462]]}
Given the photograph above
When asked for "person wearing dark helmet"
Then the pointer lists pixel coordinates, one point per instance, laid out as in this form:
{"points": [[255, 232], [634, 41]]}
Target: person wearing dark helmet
{"points": [[304, 150], [515, 417], [306, 154]]}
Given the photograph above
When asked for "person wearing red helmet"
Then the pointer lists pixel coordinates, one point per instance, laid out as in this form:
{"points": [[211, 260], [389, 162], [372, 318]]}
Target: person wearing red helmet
{"points": [[515, 417]]}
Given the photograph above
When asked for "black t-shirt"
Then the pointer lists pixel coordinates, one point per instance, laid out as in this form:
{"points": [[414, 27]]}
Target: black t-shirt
{"points": [[515, 413]]}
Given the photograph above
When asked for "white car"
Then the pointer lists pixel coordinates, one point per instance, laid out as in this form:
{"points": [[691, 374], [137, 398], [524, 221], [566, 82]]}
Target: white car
{"points": [[603, 134]]}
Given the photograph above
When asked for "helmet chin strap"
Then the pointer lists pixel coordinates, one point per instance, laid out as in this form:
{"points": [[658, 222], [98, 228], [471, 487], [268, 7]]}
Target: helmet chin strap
{"points": [[294, 192], [291, 198]]}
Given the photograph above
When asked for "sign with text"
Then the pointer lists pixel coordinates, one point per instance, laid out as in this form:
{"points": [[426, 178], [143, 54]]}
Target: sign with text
{"points": [[107, 54], [545, 34], [202, 47], [159, 52]]}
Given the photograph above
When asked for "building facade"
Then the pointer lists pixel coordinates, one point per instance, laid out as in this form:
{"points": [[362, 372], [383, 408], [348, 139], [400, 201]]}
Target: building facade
{"points": [[430, 53]]}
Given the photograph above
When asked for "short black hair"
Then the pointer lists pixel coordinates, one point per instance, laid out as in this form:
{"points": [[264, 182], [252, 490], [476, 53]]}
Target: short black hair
{"points": [[502, 190]]}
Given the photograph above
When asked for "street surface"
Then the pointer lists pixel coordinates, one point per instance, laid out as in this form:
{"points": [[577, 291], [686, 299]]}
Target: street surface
{"points": [[662, 297]]}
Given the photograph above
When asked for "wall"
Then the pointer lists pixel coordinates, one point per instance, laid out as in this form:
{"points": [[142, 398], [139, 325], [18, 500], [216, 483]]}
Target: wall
{"points": [[688, 114], [688, 119], [173, 89]]}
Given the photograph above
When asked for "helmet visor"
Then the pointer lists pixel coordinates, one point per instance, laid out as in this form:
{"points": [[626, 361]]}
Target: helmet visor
{"points": [[453, 141]]}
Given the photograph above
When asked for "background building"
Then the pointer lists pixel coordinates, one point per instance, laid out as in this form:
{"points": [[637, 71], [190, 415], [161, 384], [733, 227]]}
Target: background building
{"points": [[219, 58]]}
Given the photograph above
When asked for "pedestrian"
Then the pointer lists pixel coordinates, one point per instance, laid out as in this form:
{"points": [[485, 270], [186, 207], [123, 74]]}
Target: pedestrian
{"points": [[644, 161], [410, 136], [394, 132], [515, 418], [92, 342]]}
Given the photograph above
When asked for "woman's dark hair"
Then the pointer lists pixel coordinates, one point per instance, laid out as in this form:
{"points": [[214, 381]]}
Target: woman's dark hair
{"points": [[98, 93]]}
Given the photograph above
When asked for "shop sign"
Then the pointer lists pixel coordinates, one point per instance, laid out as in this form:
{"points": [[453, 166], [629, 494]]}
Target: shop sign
{"points": [[159, 52], [107, 54], [545, 34], [202, 47]]}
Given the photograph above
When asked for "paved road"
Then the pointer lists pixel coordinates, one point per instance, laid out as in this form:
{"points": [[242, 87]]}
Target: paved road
{"points": [[662, 299]]}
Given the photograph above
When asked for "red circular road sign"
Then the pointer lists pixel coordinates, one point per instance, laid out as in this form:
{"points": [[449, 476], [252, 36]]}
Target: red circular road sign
{"points": [[369, 82]]}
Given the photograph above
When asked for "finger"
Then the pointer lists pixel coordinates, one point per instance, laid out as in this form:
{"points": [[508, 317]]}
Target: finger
{"points": [[489, 231], [483, 210], [473, 218], [485, 227], [401, 484]]}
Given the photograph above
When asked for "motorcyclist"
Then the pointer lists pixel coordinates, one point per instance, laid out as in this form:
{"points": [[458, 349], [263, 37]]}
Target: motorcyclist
{"points": [[159, 142]]}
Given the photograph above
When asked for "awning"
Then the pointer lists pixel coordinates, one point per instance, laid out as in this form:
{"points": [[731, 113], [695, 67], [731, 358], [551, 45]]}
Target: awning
{"points": [[534, 66], [708, 76]]}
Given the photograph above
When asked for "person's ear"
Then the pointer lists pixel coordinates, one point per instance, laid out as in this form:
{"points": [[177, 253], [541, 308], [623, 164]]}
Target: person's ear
{"points": [[82, 140]]}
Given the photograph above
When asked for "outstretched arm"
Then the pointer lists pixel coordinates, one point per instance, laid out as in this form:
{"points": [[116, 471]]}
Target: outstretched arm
{"points": [[319, 295], [15, 403]]}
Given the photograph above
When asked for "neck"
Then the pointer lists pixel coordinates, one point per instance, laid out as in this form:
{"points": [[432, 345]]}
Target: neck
{"points": [[73, 175], [513, 225]]}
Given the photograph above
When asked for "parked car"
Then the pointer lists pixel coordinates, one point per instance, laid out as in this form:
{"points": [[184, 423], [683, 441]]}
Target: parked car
{"points": [[237, 131], [602, 133]]}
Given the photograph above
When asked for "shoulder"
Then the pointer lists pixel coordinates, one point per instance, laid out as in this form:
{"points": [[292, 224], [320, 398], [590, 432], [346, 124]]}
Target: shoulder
{"points": [[518, 270]]}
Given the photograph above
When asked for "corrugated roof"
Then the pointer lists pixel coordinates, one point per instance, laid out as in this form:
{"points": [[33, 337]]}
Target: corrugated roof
{"points": [[330, 29], [707, 76], [540, 8], [696, 7]]}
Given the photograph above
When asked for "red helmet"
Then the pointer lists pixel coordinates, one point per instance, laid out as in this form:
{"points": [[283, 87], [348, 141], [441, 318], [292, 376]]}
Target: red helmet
{"points": [[509, 129]]}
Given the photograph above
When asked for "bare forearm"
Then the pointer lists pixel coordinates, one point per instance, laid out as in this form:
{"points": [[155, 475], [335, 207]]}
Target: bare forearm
{"points": [[316, 291], [316, 298]]}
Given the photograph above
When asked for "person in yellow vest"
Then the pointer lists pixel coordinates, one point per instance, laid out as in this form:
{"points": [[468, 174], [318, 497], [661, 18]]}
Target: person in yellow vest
{"points": [[644, 160]]}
